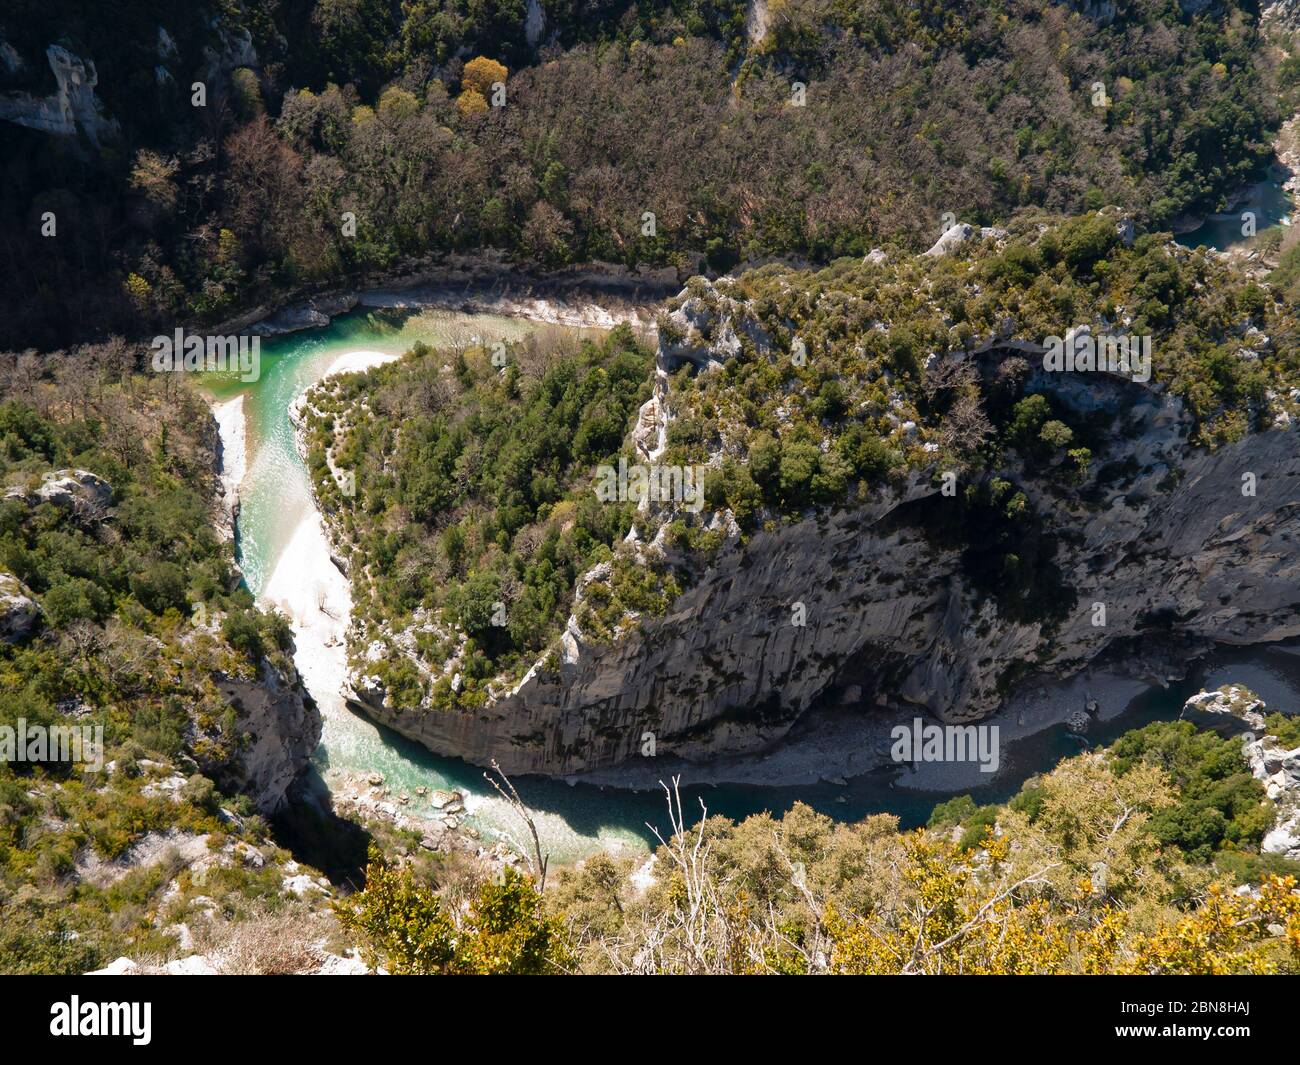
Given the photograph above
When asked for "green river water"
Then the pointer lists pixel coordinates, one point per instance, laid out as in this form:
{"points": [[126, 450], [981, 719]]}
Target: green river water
{"points": [[1267, 200], [576, 818]]}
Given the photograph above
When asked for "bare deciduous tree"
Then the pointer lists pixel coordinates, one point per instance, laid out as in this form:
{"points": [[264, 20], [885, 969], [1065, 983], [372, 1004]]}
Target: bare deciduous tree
{"points": [[511, 796]]}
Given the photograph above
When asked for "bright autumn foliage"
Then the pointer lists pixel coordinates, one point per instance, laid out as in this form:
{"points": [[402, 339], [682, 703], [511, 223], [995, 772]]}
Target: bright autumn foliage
{"points": [[481, 74]]}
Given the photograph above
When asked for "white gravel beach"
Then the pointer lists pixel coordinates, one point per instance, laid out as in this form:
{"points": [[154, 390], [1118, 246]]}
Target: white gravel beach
{"points": [[305, 584], [357, 361]]}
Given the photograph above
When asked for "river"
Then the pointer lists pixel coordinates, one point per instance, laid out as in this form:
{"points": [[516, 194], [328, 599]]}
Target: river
{"points": [[832, 763], [1267, 199]]}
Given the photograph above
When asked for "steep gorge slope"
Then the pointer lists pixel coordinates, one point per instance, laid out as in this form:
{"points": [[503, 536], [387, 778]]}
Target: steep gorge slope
{"points": [[121, 617]]}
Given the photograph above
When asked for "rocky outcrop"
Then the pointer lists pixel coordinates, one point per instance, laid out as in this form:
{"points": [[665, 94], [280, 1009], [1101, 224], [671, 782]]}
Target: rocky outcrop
{"points": [[534, 22], [18, 611], [704, 331], [1236, 711], [955, 236], [87, 495], [231, 48], [312, 314], [71, 109], [283, 730], [1284, 14]]}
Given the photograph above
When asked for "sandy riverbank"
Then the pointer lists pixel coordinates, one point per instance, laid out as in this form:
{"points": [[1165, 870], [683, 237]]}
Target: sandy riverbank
{"points": [[305, 584], [358, 361]]}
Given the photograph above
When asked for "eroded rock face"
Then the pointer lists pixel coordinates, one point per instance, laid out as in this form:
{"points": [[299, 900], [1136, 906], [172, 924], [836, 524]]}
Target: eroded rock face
{"points": [[231, 48], [71, 109], [18, 611], [1284, 13], [705, 329], [957, 235], [534, 22], [312, 314], [86, 494], [77, 489], [284, 727]]}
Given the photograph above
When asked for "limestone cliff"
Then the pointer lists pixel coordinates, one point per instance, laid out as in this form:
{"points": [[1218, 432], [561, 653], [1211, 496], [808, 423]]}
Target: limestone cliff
{"points": [[72, 108], [280, 722], [282, 729]]}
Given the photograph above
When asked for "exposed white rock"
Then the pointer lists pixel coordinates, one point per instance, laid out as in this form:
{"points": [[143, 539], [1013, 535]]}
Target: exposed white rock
{"points": [[73, 107], [302, 884], [1234, 710], [185, 848], [957, 235], [86, 494], [194, 965], [120, 967], [167, 787], [18, 611], [952, 238], [333, 965]]}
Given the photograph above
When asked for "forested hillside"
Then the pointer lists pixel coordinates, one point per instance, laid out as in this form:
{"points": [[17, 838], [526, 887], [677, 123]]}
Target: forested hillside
{"points": [[118, 609], [841, 127], [819, 390]]}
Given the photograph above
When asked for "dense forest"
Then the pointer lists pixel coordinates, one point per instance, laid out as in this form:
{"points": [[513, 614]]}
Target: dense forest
{"points": [[656, 133]]}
